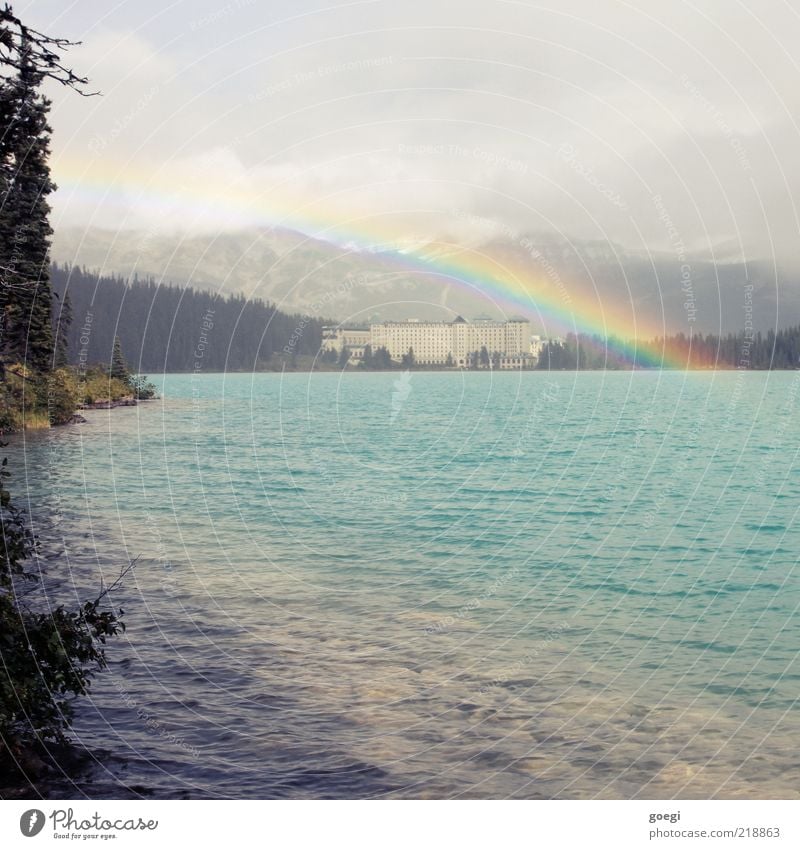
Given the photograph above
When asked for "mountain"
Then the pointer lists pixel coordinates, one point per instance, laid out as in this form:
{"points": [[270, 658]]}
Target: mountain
{"points": [[601, 283]]}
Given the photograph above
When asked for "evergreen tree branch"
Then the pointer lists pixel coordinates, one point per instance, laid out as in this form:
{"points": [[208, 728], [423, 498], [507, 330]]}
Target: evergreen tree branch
{"points": [[21, 46]]}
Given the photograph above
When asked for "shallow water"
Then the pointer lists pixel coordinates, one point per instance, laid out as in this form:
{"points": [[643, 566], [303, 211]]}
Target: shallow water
{"points": [[439, 584]]}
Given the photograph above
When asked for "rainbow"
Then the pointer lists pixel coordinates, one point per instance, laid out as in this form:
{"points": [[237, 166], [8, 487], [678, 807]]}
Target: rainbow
{"points": [[533, 287]]}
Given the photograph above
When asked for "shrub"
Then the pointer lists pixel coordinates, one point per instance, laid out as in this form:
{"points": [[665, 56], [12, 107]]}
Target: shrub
{"points": [[99, 387], [63, 395], [20, 393], [47, 656], [143, 390]]}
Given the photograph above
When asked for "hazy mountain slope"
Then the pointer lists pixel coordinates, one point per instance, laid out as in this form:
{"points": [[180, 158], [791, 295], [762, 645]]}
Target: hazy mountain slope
{"points": [[601, 283]]}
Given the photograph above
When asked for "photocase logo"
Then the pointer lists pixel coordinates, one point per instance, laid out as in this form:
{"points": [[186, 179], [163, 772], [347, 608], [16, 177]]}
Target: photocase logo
{"points": [[31, 822], [401, 391]]}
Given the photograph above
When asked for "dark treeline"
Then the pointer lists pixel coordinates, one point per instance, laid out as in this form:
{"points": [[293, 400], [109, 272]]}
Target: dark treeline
{"points": [[49, 651], [167, 328], [772, 350]]}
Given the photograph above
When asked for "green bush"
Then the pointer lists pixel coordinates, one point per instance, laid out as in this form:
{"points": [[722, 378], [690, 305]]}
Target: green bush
{"points": [[47, 656], [98, 387], [63, 395], [143, 390], [21, 407]]}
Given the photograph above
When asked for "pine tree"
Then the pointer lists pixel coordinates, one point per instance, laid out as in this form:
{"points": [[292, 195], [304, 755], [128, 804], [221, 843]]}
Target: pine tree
{"points": [[24, 187], [63, 323], [119, 368]]}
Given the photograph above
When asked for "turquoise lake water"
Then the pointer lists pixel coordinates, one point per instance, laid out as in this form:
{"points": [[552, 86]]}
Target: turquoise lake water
{"points": [[521, 585]]}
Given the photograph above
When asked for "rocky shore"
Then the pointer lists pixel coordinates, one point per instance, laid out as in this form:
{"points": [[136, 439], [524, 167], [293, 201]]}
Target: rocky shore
{"points": [[107, 405], [77, 418]]}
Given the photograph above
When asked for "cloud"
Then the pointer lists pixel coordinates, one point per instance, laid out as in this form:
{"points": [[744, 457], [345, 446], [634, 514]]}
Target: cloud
{"points": [[407, 113]]}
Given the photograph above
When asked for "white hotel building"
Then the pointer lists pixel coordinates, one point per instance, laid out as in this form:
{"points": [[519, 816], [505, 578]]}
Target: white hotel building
{"points": [[455, 343]]}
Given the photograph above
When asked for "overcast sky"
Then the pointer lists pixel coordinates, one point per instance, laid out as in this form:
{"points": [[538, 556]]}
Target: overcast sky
{"points": [[446, 118]]}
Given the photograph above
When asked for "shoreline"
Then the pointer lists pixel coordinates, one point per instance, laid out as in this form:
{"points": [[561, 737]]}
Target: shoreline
{"points": [[401, 370]]}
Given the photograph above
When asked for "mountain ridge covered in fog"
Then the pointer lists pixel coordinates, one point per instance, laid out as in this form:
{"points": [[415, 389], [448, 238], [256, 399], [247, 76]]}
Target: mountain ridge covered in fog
{"points": [[303, 274]]}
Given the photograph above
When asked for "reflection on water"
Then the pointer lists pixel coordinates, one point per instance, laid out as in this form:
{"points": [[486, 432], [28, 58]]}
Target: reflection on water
{"points": [[546, 586]]}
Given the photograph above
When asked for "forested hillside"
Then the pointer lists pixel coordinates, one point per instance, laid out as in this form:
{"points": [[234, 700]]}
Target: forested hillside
{"points": [[167, 328]]}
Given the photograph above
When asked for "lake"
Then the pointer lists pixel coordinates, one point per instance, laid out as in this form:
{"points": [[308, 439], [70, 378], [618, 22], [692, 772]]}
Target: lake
{"points": [[506, 585]]}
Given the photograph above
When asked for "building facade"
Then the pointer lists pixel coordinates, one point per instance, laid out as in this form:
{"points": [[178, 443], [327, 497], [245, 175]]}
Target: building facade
{"points": [[482, 343], [355, 339]]}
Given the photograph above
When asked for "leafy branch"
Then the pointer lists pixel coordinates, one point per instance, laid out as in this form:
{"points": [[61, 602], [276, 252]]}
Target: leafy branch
{"points": [[47, 657]]}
